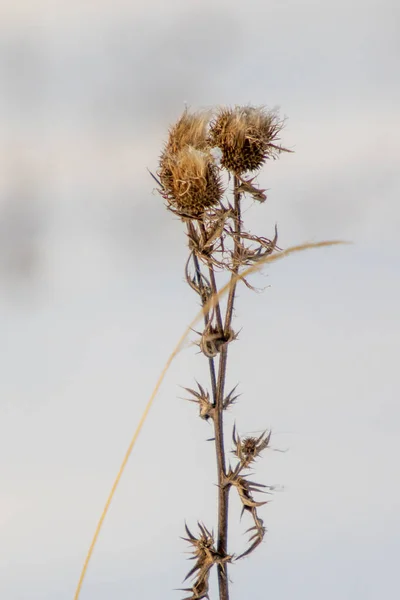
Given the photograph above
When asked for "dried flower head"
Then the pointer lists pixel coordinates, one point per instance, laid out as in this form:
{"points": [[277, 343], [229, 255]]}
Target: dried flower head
{"points": [[191, 129], [213, 340], [206, 556], [249, 448], [188, 173], [246, 136], [190, 180], [202, 398]]}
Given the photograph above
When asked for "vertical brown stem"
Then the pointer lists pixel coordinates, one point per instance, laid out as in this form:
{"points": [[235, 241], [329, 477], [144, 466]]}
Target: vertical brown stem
{"points": [[223, 489], [204, 299], [218, 388], [214, 289], [237, 228], [206, 319]]}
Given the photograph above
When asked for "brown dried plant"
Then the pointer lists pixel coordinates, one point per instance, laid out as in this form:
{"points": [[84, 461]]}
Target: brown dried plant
{"points": [[191, 183]]}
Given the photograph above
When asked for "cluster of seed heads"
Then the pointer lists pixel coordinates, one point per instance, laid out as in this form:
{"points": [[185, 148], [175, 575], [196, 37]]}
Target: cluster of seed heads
{"points": [[191, 181], [189, 175]]}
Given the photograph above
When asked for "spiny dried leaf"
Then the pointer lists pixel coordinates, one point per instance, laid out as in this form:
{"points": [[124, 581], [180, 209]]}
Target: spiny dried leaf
{"points": [[190, 534], [248, 255], [231, 265], [245, 489], [246, 187], [251, 548], [260, 241], [213, 231], [236, 437], [200, 395], [200, 587], [254, 486], [204, 532], [202, 568], [230, 398], [206, 557], [198, 282], [258, 536], [202, 544], [215, 234], [210, 260]]}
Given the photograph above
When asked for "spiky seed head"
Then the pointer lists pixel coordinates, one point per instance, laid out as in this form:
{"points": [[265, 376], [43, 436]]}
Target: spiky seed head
{"points": [[190, 179], [249, 446], [245, 136], [191, 129]]}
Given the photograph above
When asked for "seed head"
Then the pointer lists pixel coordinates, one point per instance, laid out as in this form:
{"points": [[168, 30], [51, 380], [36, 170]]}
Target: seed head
{"points": [[190, 180], [191, 129], [249, 448], [245, 135], [188, 171]]}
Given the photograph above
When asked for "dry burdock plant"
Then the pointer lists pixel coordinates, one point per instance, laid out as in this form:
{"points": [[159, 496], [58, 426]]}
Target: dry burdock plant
{"points": [[206, 153], [203, 155]]}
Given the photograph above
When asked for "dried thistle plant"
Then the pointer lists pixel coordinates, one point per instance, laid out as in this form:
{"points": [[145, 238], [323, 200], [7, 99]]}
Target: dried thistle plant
{"points": [[200, 152], [191, 182]]}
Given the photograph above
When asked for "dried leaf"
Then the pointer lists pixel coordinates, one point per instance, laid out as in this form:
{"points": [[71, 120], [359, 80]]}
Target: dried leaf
{"points": [[246, 187]]}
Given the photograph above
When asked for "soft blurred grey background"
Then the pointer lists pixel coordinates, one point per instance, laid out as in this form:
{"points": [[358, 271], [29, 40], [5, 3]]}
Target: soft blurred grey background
{"points": [[92, 297]]}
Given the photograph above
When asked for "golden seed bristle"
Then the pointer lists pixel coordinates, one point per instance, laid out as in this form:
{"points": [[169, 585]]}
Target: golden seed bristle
{"points": [[190, 130]]}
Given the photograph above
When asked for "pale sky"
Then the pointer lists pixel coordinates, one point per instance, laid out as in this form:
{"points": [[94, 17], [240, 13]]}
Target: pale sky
{"points": [[93, 299]]}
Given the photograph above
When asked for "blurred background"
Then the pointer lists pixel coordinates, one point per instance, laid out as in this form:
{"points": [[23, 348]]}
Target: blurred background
{"points": [[92, 296]]}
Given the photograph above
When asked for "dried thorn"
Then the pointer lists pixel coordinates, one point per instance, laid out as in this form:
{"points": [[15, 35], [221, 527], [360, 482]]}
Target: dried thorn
{"points": [[230, 398], [190, 534], [251, 549], [281, 148], [156, 179], [191, 572]]}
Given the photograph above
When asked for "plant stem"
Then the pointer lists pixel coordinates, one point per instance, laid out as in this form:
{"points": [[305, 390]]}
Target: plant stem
{"points": [[223, 489], [237, 227], [218, 385], [214, 288], [206, 319]]}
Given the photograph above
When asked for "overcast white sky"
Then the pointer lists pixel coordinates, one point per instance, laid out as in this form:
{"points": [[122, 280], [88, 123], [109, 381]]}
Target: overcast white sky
{"points": [[92, 297]]}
